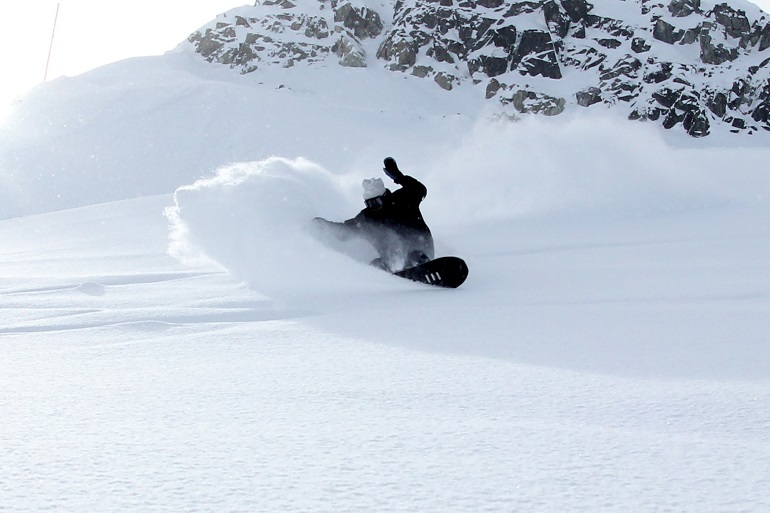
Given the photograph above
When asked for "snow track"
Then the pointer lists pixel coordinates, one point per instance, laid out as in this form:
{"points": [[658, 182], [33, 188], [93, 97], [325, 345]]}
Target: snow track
{"points": [[584, 365]]}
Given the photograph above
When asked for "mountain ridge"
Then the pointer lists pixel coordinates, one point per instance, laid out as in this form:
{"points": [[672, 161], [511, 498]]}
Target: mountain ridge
{"points": [[693, 65]]}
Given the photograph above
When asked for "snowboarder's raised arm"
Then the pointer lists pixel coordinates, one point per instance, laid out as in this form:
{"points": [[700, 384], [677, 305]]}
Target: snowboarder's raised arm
{"points": [[414, 186], [408, 183]]}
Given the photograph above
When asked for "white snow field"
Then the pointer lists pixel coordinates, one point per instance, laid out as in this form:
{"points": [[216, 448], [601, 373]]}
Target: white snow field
{"points": [[173, 339], [589, 364]]}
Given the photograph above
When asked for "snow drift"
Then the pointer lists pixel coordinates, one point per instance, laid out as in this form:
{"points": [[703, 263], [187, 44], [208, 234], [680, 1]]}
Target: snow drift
{"points": [[254, 219], [583, 165]]}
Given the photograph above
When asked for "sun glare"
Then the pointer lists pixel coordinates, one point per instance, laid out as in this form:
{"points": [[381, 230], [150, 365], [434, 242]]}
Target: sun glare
{"points": [[89, 34]]}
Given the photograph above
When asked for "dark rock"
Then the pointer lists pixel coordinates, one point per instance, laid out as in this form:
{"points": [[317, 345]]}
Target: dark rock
{"points": [[489, 66], [441, 54], [640, 45], [363, 22], [761, 110], [660, 72], [240, 21], [536, 55], [609, 43], [739, 93], [576, 9], [492, 88], [530, 102], [735, 22], [666, 97], [589, 96], [444, 80], [626, 68], [350, 55], [689, 36], [764, 42], [490, 4], [696, 123], [714, 54], [583, 58], [402, 50], [683, 8], [503, 37], [558, 22], [519, 8], [665, 32]]}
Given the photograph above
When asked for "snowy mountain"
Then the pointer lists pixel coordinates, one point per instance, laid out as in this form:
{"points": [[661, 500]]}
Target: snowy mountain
{"points": [[173, 339], [289, 79], [701, 66]]}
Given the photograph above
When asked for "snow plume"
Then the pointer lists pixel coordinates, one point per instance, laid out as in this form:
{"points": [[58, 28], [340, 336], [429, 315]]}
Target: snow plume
{"points": [[253, 219], [590, 165]]}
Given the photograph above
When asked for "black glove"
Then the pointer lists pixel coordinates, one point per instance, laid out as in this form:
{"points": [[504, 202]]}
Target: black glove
{"points": [[391, 169]]}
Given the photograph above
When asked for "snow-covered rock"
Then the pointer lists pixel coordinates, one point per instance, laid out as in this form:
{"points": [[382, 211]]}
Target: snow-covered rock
{"points": [[686, 63]]}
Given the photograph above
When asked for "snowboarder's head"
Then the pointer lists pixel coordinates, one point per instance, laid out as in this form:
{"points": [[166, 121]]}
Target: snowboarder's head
{"points": [[374, 190]]}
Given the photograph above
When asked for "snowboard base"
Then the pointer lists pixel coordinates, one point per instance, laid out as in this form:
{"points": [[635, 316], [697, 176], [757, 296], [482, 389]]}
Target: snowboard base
{"points": [[449, 272]]}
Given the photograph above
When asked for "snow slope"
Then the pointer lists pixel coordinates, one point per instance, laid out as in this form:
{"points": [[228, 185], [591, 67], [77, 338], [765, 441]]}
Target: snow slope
{"points": [[148, 125], [589, 364], [178, 342]]}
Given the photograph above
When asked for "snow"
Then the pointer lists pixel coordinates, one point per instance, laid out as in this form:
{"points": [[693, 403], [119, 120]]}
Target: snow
{"points": [[173, 338]]}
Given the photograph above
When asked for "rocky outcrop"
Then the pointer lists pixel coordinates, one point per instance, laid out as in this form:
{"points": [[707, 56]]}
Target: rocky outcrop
{"points": [[279, 33], [679, 63]]}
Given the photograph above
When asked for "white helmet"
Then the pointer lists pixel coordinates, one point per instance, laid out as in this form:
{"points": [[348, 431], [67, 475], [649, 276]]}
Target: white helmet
{"points": [[373, 188]]}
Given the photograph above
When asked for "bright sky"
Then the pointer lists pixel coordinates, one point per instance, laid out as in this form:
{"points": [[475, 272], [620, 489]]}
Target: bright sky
{"points": [[89, 34]]}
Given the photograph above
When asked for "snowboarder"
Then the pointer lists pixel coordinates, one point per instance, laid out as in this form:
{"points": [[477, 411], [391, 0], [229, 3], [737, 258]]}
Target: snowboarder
{"points": [[391, 222]]}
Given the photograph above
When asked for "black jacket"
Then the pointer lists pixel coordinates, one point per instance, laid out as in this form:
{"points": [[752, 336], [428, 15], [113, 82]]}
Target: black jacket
{"points": [[396, 229]]}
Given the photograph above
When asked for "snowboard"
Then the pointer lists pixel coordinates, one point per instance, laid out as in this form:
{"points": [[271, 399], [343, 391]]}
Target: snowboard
{"points": [[445, 271]]}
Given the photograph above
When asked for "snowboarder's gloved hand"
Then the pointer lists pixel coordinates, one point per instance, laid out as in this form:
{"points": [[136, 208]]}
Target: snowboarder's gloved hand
{"points": [[391, 169]]}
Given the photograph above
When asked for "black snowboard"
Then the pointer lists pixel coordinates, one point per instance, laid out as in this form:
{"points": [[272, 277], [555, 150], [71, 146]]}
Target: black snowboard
{"points": [[442, 272]]}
